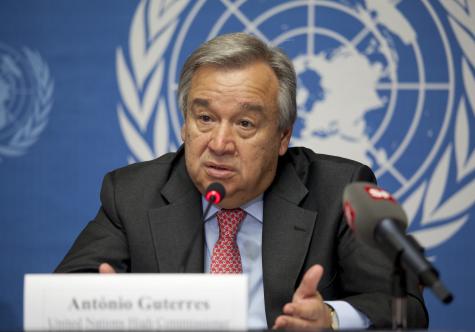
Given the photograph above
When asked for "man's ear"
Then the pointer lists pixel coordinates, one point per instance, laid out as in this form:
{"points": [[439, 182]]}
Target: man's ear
{"points": [[285, 141], [183, 131]]}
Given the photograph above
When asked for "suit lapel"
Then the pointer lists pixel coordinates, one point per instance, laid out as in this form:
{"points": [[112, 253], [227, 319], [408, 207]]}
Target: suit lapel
{"points": [[287, 231], [176, 227]]}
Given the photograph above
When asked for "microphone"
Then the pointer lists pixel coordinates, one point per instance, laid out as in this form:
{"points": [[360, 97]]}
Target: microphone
{"points": [[214, 194], [379, 221]]}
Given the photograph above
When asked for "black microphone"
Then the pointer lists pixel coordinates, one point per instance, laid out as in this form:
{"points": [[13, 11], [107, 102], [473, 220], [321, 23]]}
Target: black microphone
{"points": [[214, 194], [379, 221]]}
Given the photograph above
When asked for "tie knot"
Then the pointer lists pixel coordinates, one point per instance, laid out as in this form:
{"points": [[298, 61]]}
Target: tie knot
{"points": [[229, 220]]}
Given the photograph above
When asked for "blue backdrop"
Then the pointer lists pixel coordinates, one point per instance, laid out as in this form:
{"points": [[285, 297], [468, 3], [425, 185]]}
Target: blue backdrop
{"points": [[89, 86]]}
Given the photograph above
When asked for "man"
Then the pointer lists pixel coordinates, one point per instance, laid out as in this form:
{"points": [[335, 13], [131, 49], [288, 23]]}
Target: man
{"points": [[238, 98]]}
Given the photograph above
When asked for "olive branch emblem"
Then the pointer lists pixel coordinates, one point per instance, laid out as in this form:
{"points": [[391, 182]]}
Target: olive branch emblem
{"points": [[36, 122], [143, 116], [442, 219]]}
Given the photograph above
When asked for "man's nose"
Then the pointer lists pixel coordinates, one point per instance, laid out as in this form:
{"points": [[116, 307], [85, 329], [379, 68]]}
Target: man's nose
{"points": [[222, 139]]}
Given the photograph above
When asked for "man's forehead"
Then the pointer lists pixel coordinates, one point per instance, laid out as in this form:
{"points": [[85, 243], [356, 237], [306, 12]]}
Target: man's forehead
{"points": [[244, 106], [251, 88], [213, 68]]}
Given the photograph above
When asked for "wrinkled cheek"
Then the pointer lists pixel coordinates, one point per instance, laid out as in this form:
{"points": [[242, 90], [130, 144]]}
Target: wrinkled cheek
{"points": [[200, 146], [195, 152]]}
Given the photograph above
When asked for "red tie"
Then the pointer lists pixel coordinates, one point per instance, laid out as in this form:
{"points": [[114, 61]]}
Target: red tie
{"points": [[226, 257]]}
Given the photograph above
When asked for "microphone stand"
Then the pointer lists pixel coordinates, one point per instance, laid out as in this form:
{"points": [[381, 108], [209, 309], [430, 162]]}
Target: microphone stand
{"points": [[186, 257], [399, 293], [214, 194], [399, 288]]}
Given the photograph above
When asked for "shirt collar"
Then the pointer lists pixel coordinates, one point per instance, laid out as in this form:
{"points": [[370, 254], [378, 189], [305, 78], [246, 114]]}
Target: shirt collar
{"points": [[255, 208]]}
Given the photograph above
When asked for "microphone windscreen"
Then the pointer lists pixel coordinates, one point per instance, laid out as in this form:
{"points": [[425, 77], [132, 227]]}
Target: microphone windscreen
{"points": [[216, 191], [366, 205]]}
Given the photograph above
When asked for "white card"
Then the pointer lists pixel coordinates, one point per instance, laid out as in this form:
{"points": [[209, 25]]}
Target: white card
{"points": [[135, 302]]}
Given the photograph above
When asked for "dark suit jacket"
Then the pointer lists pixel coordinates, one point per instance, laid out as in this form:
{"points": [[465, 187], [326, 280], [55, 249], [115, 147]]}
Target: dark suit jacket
{"points": [[151, 211]]}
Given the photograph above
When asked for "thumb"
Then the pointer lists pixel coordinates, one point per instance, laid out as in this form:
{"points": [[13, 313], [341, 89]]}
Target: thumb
{"points": [[106, 268], [309, 283]]}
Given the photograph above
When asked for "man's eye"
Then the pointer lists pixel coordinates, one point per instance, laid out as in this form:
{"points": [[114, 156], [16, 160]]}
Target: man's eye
{"points": [[204, 118], [246, 124]]}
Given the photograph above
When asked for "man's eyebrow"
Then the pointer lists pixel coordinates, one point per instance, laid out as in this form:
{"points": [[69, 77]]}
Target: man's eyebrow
{"points": [[251, 107], [198, 102]]}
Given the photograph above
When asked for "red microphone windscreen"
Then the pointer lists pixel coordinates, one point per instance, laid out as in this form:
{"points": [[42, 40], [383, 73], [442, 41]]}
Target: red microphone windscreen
{"points": [[215, 192]]}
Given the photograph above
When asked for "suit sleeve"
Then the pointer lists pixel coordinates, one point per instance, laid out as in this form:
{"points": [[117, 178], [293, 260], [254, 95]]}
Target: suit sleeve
{"points": [[366, 276], [103, 240]]}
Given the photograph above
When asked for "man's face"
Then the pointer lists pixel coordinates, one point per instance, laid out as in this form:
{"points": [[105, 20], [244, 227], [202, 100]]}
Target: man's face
{"points": [[231, 130]]}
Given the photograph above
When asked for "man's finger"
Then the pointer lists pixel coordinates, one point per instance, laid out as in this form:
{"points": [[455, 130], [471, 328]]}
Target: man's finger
{"points": [[106, 268], [308, 286], [309, 308], [284, 321]]}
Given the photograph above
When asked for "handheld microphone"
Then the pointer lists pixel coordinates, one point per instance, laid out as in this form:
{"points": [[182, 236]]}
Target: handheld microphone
{"points": [[214, 194], [379, 221]]}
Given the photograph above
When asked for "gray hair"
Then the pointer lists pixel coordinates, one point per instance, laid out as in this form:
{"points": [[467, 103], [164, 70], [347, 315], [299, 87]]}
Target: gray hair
{"points": [[236, 50]]}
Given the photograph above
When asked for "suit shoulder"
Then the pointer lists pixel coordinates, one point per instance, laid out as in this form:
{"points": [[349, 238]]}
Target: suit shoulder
{"points": [[310, 164], [302, 155], [142, 172]]}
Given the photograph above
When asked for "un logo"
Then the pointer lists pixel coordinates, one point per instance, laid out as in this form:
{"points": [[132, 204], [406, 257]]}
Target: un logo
{"points": [[26, 97], [371, 88]]}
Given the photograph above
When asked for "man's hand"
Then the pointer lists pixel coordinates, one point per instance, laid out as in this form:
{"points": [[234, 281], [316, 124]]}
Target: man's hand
{"points": [[307, 309], [106, 268]]}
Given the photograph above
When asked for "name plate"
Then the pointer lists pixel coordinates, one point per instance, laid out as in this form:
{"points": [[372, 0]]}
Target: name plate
{"points": [[135, 302]]}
